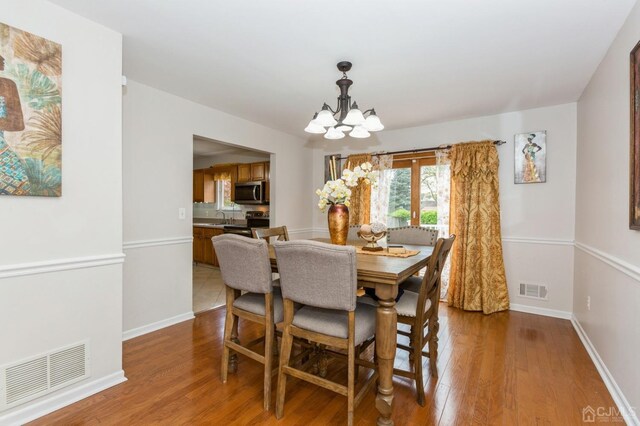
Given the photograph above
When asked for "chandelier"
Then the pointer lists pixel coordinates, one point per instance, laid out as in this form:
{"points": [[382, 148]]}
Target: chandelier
{"points": [[351, 119]]}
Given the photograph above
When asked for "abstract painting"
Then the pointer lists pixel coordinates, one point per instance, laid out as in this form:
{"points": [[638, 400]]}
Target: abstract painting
{"points": [[30, 114], [530, 158], [634, 156]]}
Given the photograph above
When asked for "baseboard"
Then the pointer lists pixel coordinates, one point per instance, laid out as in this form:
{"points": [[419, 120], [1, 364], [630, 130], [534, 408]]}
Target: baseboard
{"points": [[154, 326], [56, 401], [301, 233], [626, 410], [540, 311]]}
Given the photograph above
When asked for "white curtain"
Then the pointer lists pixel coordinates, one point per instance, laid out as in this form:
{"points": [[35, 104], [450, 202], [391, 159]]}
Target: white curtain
{"points": [[380, 195], [443, 184]]}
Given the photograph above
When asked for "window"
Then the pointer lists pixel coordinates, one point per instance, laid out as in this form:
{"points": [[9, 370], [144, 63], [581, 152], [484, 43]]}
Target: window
{"points": [[408, 193], [223, 195]]}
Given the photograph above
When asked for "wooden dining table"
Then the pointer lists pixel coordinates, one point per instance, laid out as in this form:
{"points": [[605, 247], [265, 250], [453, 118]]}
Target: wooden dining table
{"points": [[384, 274]]}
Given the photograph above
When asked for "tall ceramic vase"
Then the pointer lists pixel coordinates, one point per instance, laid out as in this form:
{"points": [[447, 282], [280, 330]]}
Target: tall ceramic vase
{"points": [[338, 224]]}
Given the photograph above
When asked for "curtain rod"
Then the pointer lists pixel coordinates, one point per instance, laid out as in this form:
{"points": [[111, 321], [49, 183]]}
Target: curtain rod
{"points": [[414, 151]]}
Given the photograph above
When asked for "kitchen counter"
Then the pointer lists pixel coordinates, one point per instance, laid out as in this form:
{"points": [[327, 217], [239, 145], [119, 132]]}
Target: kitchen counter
{"points": [[209, 225]]}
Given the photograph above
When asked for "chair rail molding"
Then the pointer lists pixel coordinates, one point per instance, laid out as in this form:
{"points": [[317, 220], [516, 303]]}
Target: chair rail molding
{"points": [[621, 265], [56, 265], [128, 245]]}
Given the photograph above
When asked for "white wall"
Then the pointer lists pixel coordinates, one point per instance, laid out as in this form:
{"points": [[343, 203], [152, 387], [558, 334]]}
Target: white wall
{"points": [[537, 219], [60, 258], [158, 164], [607, 259]]}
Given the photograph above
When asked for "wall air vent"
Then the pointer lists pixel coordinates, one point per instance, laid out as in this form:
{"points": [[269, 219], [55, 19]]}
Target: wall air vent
{"points": [[533, 291], [28, 379]]}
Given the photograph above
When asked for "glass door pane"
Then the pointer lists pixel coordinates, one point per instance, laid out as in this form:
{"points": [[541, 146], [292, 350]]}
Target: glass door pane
{"points": [[428, 196]]}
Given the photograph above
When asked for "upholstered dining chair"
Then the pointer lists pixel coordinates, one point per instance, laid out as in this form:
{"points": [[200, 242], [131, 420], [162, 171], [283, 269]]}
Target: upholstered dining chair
{"points": [[279, 234], [419, 310], [245, 266], [323, 278], [416, 235]]}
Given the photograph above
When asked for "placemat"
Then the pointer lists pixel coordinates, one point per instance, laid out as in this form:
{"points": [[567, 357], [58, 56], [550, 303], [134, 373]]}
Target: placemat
{"points": [[384, 252]]}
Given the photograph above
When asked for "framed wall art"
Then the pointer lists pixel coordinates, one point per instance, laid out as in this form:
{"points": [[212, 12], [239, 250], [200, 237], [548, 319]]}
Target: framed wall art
{"points": [[634, 157], [530, 157], [30, 114]]}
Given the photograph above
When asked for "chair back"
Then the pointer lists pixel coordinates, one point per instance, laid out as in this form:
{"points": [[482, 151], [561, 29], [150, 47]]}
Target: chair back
{"points": [[317, 274], [280, 233], [244, 263], [416, 235], [430, 288]]}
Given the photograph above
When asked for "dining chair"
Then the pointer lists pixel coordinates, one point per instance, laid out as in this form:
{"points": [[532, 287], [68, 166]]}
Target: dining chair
{"points": [[416, 235], [419, 310], [280, 233], [322, 278], [245, 267]]}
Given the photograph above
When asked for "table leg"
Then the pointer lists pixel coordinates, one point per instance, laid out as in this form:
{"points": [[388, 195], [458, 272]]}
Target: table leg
{"points": [[386, 335]]}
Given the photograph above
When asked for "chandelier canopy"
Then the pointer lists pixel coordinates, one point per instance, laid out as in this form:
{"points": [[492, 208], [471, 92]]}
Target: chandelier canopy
{"points": [[350, 118]]}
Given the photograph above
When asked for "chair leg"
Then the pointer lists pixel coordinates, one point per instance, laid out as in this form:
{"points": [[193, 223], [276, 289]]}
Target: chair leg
{"points": [[417, 362], [412, 345], [228, 326], [323, 363], [433, 345], [285, 353], [268, 362], [358, 351], [351, 384]]}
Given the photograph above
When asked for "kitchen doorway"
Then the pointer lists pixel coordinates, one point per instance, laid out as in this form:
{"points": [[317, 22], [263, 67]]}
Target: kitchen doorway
{"points": [[231, 194]]}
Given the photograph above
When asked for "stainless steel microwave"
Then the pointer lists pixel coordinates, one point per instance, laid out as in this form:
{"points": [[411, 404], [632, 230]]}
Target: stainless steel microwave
{"points": [[250, 193]]}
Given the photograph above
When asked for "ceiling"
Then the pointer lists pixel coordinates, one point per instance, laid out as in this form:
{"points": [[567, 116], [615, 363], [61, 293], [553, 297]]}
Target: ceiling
{"points": [[415, 61]]}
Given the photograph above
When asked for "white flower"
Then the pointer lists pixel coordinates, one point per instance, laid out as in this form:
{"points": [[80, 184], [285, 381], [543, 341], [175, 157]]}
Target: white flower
{"points": [[338, 192]]}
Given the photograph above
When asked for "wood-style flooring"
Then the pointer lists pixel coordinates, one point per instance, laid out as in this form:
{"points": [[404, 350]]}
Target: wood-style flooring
{"points": [[504, 369]]}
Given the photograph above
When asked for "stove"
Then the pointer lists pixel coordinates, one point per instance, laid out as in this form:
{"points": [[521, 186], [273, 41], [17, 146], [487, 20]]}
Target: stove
{"points": [[255, 219]]}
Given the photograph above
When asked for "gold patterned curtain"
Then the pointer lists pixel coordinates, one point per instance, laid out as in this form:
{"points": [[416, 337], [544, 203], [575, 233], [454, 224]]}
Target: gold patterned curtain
{"points": [[360, 208], [478, 281]]}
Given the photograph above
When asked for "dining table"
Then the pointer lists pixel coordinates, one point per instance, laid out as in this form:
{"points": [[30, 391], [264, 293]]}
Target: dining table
{"points": [[384, 274]]}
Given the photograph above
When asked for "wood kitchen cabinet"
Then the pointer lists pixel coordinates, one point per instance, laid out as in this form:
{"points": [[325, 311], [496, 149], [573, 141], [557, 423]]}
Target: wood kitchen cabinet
{"points": [[203, 186], [244, 172], [203, 251], [251, 172], [257, 171]]}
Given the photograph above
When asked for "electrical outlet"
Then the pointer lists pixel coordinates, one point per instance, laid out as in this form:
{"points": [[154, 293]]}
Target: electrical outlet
{"points": [[588, 303], [182, 213]]}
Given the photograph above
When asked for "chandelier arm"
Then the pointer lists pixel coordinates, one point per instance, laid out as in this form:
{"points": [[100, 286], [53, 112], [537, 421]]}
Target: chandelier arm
{"points": [[368, 111], [331, 109]]}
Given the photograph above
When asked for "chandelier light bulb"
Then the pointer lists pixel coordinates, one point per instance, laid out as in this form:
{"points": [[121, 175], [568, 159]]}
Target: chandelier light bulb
{"points": [[325, 118], [373, 123], [344, 128], [354, 117], [314, 128], [333, 134], [359, 132]]}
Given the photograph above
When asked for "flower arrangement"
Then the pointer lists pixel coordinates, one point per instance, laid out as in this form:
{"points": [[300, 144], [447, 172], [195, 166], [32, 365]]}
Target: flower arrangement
{"points": [[337, 191]]}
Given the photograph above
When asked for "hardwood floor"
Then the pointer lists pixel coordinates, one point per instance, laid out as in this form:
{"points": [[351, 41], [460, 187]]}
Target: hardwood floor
{"points": [[504, 369]]}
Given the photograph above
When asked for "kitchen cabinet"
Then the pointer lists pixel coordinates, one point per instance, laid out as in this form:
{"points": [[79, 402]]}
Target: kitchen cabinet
{"points": [[203, 251], [267, 171], [203, 186], [257, 171], [244, 172], [251, 172]]}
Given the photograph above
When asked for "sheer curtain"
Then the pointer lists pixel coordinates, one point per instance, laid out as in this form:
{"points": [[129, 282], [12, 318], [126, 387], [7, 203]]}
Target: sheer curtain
{"points": [[380, 195], [443, 186]]}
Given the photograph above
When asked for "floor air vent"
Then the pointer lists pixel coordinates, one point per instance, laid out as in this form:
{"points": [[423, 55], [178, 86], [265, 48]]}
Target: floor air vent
{"points": [[29, 379], [534, 291]]}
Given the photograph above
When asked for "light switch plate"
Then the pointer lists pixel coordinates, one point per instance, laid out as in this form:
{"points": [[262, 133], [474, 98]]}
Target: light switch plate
{"points": [[182, 213]]}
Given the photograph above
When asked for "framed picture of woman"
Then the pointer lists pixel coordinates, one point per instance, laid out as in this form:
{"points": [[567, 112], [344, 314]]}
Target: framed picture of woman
{"points": [[530, 159], [634, 156]]}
